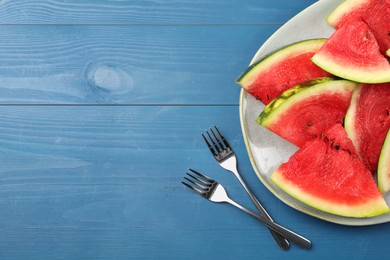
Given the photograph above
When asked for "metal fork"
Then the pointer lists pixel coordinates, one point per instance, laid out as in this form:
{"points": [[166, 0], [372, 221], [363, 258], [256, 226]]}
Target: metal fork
{"points": [[226, 157], [215, 192]]}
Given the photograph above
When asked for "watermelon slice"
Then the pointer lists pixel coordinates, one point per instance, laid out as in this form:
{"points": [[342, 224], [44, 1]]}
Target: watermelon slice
{"points": [[384, 166], [352, 52], [378, 19], [349, 9], [368, 120], [282, 70], [306, 111], [323, 175], [376, 13]]}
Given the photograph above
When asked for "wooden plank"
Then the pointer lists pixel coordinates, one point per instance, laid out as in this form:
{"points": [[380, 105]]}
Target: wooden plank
{"points": [[125, 64], [104, 183], [106, 179], [149, 12]]}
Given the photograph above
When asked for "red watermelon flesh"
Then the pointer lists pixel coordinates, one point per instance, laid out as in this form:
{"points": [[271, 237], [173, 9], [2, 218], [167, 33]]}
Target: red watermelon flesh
{"points": [[375, 13], [281, 70], [331, 179], [378, 19], [350, 9], [337, 137], [368, 121]]}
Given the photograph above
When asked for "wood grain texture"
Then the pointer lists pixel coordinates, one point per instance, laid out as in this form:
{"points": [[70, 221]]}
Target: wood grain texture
{"points": [[104, 183], [125, 64], [149, 12], [98, 182]]}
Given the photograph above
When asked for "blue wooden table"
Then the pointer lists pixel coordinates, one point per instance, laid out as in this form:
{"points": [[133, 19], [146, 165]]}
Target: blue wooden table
{"points": [[102, 103]]}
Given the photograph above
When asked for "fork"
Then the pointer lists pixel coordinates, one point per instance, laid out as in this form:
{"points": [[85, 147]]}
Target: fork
{"points": [[226, 157], [215, 192]]}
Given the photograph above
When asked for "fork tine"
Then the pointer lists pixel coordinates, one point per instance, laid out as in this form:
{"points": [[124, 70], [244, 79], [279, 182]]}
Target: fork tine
{"points": [[199, 180], [202, 175], [196, 184], [194, 189], [215, 145], [222, 138], [213, 151], [217, 139]]}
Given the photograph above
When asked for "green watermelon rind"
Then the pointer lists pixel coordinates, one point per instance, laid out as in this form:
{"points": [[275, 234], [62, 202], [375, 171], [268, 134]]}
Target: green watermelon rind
{"points": [[279, 106], [251, 73], [384, 166], [277, 102], [359, 74], [350, 118], [370, 208]]}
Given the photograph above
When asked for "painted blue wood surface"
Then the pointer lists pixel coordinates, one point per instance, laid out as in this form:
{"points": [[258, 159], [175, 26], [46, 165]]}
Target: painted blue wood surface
{"points": [[125, 64], [149, 12], [104, 183], [102, 104]]}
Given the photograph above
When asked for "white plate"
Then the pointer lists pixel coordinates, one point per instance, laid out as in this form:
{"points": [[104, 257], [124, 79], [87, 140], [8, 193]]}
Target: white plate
{"points": [[266, 150]]}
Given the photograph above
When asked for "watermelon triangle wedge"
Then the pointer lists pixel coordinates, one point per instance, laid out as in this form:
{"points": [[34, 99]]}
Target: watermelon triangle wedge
{"points": [[326, 174], [306, 111], [376, 13], [281, 70], [368, 120], [352, 52]]}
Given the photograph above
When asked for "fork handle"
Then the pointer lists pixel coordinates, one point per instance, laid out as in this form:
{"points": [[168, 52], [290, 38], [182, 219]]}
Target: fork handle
{"points": [[292, 236], [282, 241]]}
